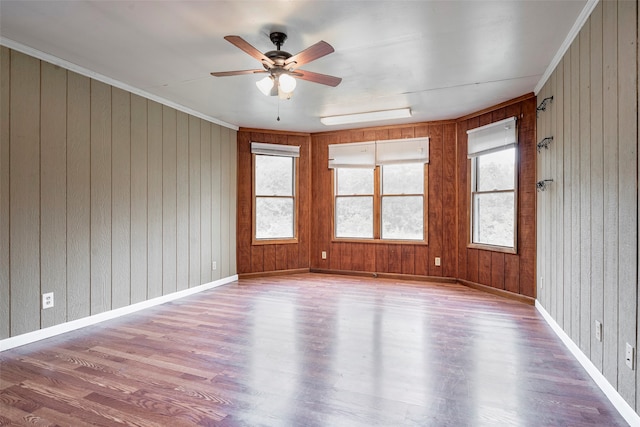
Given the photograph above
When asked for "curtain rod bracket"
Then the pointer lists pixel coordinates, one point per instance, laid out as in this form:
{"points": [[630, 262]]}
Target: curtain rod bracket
{"points": [[543, 104], [542, 185], [544, 143]]}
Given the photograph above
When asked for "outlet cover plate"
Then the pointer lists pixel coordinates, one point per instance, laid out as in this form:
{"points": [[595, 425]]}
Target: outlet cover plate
{"points": [[324, 254], [629, 353], [47, 300], [437, 261], [598, 330]]}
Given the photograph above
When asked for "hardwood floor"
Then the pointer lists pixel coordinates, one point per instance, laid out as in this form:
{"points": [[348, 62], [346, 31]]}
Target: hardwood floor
{"points": [[308, 350]]}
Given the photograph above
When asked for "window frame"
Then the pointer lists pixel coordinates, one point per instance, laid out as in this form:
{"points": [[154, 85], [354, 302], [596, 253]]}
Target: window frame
{"points": [[377, 210], [294, 197], [334, 183], [472, 177]]}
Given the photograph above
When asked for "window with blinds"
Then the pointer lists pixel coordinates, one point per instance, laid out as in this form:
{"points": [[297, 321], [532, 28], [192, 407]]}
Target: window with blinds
{"points": [[379, 189], [274, 192], [492, 150]]}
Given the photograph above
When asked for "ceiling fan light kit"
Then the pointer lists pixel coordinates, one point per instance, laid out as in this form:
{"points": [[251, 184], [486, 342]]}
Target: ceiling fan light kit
{"points": [[400, 113], [282, 66], [282, 86]]}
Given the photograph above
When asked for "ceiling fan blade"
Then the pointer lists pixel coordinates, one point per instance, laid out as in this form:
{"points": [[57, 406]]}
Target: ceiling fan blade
{"points": [[242, 44], [311, 53], [236, 73], [323, 79]]}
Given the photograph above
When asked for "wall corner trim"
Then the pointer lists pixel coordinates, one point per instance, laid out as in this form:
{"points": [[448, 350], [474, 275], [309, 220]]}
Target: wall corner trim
{"points": [[614, 397], [566, 44], [108, 80], [62, 328]]}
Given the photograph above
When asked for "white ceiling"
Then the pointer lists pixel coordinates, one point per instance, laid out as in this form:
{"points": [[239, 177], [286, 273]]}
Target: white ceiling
{"points": [[443, 59]]}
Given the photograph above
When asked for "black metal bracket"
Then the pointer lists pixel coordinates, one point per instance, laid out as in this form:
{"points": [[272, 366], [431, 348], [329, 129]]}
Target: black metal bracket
{"points": [[543, 104], [542, 185], [278, 38], [545, 143]]}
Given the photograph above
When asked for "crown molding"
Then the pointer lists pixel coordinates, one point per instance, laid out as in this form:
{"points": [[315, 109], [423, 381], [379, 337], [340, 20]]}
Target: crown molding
{"points": [[573, 33]]}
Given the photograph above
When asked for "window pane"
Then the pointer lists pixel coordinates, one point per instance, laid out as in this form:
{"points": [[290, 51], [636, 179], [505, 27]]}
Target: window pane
{"points": [[402, 218], [274, 175], [354, 181], [274, 218], [493, 219], [495, 171], [405, 178], [354, 217]]}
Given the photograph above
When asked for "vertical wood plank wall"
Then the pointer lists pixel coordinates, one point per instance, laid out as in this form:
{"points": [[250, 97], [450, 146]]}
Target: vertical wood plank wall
{"points": [[5, 303], [407, 258], [276, 257], [99, 192], [447, 208], [511, 272], [588, 218]]}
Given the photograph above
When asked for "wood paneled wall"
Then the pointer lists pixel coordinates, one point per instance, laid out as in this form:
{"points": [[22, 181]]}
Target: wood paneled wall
{"points": [[276, 257], [511, 272], [408, 259], [448, 199], [588, 218], [106, 198]]}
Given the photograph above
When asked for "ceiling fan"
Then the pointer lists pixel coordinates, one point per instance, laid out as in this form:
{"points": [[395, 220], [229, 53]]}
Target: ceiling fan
{"points": [[281, 66]]}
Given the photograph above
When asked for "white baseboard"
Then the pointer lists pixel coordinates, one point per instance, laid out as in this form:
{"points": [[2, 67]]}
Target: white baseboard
{"points": [[41, 334], [627, 412]]}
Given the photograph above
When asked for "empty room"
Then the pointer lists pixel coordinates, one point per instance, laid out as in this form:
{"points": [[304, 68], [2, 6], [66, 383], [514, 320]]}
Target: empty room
{"points": [[319, 213]]}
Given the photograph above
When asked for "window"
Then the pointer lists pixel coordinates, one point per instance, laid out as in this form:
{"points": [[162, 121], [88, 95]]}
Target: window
{"points": [[493, 153], [354, 203], [379, 189], [274, 185], [402, 196]]}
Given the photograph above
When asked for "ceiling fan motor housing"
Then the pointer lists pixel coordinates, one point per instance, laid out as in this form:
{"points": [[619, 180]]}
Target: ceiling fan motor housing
{"points": [[277, 56]]}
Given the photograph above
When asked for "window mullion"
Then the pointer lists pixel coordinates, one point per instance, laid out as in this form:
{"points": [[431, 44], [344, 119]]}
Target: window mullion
{"points": [[377, 201]]}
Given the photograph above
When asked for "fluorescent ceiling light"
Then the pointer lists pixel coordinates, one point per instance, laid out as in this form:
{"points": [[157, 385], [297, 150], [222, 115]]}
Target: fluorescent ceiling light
{"points": [[400, 113]]}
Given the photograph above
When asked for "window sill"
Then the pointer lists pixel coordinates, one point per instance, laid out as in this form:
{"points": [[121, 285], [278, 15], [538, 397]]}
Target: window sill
{"points": [[492, 248], [381, 241], [258, 242]]}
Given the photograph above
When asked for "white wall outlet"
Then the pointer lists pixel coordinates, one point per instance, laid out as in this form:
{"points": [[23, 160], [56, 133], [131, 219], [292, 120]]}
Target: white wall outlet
{"points": [[629, 356], [541, 282], [47, 300], [324, 254], [598, 330], [214, 265], [437, 261]]}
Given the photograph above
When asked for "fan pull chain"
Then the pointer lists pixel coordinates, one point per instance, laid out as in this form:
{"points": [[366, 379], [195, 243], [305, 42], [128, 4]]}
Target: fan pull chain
{"points": [[278, 108]]}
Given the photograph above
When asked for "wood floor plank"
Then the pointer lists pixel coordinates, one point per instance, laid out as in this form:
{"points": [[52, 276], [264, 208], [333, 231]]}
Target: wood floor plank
{"points": [[308, 349]]}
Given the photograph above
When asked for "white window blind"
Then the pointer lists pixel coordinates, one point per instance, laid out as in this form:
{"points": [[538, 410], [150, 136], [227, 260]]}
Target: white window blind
{"points": [[356, 155], [275, 149], [492, 137], [410, 150], [370, 154]]}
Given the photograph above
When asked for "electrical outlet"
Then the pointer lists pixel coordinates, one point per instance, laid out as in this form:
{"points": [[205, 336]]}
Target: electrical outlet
{"points": [[437, 261], [629, 356], [598, 330], [214, 265], [541, 282], [47, 300], [324, 254]]}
